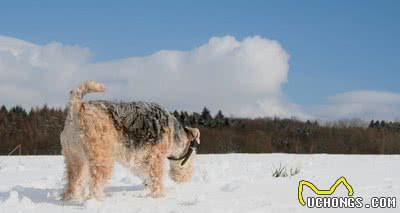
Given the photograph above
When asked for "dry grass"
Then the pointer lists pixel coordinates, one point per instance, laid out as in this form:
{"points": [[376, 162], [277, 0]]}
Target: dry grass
{"points": [[284, 171]]}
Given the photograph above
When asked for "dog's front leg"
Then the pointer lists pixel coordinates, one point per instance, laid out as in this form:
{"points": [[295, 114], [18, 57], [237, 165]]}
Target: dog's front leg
{"points": [[156, 173]]}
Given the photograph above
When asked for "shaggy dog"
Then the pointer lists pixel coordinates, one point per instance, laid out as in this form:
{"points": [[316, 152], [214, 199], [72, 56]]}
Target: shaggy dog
{"points": [[139, 135]]}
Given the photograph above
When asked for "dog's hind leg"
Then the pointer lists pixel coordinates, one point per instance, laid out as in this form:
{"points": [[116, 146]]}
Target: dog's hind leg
{"points": [[76, 175], [98, 139], [100, 168]]}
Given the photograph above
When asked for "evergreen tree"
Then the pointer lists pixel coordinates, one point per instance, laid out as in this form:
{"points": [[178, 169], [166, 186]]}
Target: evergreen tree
{"points": [[205, 114], [219, 119], [219, 115], [184, 118], [371, 124], [176, 114], [195, 119]]}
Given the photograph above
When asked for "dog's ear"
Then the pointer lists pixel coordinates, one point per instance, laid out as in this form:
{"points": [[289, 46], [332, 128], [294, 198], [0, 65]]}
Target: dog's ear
{"points": [[193, 133]]}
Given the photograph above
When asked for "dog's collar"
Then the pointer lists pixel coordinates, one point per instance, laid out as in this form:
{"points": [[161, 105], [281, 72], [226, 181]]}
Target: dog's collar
{"points": [[192, 147]]}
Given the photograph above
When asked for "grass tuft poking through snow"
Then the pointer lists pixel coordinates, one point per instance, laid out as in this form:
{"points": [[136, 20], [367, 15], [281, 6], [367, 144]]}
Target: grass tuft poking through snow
{"points": [[283, 171]]}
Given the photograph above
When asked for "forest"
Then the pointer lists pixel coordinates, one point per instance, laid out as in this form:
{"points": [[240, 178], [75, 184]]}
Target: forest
{"points": [[37, 133]]}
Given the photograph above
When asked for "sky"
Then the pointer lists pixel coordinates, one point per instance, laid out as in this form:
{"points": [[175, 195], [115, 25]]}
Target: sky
{"points": [[310, 59]]}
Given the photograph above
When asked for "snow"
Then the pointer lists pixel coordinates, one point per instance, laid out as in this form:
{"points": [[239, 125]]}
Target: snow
{"points": [[222, 183]]}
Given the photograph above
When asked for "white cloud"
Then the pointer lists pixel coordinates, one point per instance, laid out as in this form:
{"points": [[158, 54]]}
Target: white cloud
{"points": [[243, 78], [34, 75], [360, 104]]}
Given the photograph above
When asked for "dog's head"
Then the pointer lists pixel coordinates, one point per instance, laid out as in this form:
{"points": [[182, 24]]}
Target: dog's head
{"points": [[192, 134]]}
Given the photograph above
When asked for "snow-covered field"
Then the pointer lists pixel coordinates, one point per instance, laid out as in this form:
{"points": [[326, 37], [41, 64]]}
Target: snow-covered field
{"points": [[222, 183]]}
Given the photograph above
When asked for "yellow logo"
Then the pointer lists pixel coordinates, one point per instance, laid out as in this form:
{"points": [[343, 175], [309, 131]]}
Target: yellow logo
{"points": [[341, 180]]}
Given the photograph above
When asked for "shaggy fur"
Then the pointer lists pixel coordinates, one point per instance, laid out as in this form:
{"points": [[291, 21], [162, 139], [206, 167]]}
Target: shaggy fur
{"points": [[138, 135]]}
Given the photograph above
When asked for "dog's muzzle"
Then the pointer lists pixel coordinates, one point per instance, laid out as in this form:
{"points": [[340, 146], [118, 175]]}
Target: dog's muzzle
{"points": [[192, 147]]}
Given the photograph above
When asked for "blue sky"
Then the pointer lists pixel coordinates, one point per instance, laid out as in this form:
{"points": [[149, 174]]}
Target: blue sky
{"points": [[334, 46]]}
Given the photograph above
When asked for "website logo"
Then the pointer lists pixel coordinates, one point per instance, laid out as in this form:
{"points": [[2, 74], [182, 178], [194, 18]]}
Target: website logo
{"points": [[324, 198]]}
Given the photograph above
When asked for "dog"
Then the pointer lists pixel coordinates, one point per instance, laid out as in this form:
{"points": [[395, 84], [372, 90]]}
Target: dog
{"points": [[141, 136]]}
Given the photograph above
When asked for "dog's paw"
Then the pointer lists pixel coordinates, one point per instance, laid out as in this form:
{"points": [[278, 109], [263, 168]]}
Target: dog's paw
{"points": [[156, 194], [71, 197], [96, 195]]}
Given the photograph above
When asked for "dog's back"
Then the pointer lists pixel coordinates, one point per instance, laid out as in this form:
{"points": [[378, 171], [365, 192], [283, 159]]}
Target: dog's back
{"points": [[141, 123]]}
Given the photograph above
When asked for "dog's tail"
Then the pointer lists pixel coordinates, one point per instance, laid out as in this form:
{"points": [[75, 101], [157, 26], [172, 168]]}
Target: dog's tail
{"points": [[76, 95]]}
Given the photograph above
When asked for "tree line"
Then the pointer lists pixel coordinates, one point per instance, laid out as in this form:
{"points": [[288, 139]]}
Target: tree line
{"points": [[38, 130]]}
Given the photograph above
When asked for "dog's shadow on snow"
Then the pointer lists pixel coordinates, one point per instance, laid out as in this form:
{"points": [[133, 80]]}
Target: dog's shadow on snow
{"points": [[111, 189], [53, 196]]}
